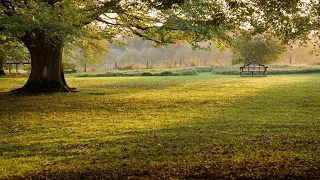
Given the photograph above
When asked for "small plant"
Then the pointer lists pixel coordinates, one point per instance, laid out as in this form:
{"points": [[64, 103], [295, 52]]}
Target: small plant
{"points": [[203, 69], [146, 74], [167, 73], [188, 72]]}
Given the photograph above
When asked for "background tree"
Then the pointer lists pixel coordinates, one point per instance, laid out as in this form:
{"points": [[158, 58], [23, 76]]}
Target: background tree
{"points": [[85, 52], [264, 49]]}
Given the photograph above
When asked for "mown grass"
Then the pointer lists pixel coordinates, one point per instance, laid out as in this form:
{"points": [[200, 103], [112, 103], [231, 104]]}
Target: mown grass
{"points": [[185, 127]]}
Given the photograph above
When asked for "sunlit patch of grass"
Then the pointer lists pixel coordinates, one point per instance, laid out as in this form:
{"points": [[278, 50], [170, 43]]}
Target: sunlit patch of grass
{"points": [[204, 126], [8, 84]]}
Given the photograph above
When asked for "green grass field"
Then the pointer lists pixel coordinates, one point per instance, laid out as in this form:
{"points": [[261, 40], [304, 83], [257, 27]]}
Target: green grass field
{"points": [[180, 127]]}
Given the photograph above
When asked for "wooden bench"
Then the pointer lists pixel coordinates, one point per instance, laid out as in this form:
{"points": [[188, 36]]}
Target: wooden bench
{"points": [[254, 66]]}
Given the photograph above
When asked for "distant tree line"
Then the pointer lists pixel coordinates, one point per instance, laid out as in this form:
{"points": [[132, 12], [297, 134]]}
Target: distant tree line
{"points": [[91, 54]]}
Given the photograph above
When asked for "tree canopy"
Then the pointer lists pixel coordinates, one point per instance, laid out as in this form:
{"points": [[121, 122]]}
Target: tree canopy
{"points": [[161, 21], [264, 49], [65, 20], [288, 20]]}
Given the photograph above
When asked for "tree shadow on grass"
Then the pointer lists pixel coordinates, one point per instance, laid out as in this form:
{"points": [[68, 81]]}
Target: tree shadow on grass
{"points": [[185, 152], [236, 143]]}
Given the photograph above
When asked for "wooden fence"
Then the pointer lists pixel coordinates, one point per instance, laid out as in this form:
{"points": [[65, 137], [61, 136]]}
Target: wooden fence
{"points": [[9, 64], [164, 64]]}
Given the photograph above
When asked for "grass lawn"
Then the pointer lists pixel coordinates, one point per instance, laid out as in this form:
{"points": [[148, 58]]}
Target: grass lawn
{"points": [[206, 126]]}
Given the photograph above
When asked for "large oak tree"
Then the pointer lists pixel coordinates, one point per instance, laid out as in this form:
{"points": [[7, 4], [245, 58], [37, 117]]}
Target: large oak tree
{"points": [[44, 26]]}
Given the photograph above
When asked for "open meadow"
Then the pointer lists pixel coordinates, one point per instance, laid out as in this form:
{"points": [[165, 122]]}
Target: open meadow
{"points": [[168, 127]]}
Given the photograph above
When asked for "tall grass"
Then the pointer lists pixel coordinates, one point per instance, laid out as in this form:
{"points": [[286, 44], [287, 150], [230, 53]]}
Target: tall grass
{"points": [[187, 127]]}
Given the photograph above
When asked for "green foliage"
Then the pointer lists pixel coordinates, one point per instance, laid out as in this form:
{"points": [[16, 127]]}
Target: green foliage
{"points": [[65, 20], [202, 21], [61, 20], [203, 69], [12, 52], [188, 72], [195, 127], [264, 49], [220, 21], [288, 20], [193, 21], [85, 52], [146, 74], [167, 73]]}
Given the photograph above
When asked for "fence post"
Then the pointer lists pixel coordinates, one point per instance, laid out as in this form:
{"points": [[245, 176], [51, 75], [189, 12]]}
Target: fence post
{"points": [[148, 65], [9, 67]]}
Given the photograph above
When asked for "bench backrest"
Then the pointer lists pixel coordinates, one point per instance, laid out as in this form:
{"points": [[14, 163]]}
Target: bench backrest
{"points": [[254, 66]]}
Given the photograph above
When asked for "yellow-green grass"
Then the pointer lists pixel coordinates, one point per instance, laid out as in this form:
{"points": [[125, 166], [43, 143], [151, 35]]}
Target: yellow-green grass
{"points": [[206, 126]]}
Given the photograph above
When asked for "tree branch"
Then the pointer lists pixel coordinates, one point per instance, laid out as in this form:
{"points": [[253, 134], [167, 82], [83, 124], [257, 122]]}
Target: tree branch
{"points": [[108, 22]]}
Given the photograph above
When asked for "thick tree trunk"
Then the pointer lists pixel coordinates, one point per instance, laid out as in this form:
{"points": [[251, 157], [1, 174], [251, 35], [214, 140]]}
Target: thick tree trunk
{"points": [[1, 70], [46, 64], [1, 66]]}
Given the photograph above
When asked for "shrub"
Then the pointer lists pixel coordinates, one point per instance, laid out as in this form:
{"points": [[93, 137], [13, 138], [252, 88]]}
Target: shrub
{"points": [[146, 74], [188, 72], [294, 71], [167, 73], [83, 75], [203, 69]]}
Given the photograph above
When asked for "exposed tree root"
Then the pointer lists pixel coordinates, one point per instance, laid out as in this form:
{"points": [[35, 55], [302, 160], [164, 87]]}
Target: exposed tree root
{"points": [[47, 87]]}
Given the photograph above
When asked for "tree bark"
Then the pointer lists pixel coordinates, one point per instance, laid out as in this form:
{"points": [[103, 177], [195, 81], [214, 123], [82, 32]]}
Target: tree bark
{"points": [[1, 65], [46, 64], [1, 69]]}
